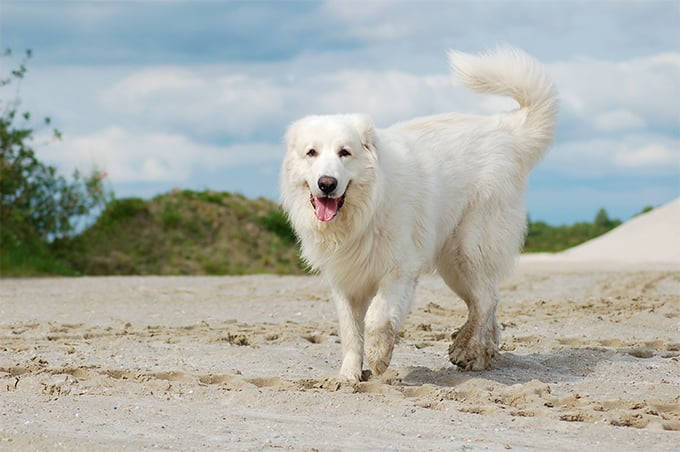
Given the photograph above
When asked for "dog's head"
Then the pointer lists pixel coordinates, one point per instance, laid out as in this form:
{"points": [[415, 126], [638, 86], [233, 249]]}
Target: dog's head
{"points": [[329, 160]]}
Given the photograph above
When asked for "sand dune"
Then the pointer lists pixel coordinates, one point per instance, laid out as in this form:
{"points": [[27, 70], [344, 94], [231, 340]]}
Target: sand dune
{"points": [[653, 237]]}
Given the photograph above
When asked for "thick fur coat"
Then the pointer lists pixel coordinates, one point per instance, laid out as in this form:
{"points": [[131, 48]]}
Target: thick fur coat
{"points": [[375, 208]]}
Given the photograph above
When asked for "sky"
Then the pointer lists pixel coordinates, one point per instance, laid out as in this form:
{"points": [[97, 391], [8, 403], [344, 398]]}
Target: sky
{"points": [[198, 94]]}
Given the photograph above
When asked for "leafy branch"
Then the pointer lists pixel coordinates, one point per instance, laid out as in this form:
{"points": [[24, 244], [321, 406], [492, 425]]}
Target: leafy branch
{"points": [[37, 203]]}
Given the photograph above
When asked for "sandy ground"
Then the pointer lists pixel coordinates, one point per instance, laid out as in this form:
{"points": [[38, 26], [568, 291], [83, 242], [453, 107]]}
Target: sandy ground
{"points": [[590, 358]]}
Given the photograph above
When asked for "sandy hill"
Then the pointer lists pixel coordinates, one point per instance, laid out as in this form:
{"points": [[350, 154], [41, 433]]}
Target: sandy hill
{"points": [[651, 237]]}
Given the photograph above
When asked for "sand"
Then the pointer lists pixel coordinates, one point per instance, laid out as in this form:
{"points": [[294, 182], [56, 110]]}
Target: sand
{"points": [[590, 358], [652, 237]]}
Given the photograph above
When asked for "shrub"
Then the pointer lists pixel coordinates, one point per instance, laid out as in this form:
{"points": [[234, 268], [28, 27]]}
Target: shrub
{"points": [[37, 204], [35, 201], [275, 221]]}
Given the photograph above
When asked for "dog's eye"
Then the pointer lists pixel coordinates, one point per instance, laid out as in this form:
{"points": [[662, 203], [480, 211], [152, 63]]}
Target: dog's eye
{"points": [[344, 153], [312, 153]]}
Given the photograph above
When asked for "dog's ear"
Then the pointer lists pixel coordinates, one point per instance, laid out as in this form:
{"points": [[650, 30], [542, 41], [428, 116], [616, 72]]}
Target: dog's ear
{"points": [[366, 129]]}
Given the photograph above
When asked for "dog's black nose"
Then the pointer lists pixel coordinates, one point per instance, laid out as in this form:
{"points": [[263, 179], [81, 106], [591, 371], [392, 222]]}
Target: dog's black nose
{"points": [[327, 184]]}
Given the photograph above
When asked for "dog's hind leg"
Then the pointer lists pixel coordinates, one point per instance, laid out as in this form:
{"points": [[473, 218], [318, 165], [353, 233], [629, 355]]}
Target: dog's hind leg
{"points": [[481, 252], [475, 344], [385, 315]]}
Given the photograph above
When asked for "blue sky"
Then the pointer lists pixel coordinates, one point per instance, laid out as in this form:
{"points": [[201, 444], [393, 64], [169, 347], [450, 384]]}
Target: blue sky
{"points": [[198, 94]]}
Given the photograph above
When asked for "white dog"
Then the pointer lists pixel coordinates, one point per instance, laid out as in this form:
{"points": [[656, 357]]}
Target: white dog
{"points": [[375, 208]]}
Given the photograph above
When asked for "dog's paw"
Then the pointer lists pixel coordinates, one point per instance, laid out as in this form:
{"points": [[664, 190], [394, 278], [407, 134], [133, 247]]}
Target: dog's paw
{"points": [[379, 344], [348, 377], [350, 372], [470, 351]]}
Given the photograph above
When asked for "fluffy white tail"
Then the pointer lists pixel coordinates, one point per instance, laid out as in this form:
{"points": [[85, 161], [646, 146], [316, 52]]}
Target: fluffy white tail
{"points": [[511, 72]]}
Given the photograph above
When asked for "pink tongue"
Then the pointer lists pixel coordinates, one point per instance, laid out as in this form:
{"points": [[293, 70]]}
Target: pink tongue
{"points": [[326, 208]]}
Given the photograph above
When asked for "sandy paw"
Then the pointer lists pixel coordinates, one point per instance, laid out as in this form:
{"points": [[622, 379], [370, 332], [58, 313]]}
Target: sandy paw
{"points": [[347, 377], [379, 344], [470, 352], [350, 372]]}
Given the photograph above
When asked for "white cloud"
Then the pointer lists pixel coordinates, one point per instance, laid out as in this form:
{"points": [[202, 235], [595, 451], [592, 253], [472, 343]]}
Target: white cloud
{"points": [[640, 91], [610, 97], [656, 155], [618, 121], [206, 99], [642, 154], [135, 88], [551, 29], [374, 20], [128, 157], [215, 100]]}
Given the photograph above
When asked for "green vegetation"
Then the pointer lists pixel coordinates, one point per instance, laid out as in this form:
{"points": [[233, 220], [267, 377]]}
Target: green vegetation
{"points": [[543, 237], [36, 204], [185, 232], [275, 221]]}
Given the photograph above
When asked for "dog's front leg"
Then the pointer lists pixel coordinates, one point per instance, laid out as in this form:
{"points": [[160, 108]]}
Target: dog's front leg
{"points": [[351, 312], [385, 315]]}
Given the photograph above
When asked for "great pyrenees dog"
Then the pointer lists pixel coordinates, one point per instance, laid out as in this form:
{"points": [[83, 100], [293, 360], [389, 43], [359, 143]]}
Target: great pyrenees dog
{"points": [[375, 208]]}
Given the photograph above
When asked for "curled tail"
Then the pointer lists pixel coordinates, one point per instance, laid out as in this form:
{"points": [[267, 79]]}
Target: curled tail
{"points": [[511, 72]]}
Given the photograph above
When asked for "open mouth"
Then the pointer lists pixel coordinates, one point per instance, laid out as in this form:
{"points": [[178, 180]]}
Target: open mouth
{"points": [[326, 208]]}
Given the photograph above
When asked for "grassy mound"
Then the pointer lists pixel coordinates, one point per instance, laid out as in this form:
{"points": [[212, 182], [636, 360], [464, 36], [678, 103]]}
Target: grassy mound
{"points": [[185, 232]]}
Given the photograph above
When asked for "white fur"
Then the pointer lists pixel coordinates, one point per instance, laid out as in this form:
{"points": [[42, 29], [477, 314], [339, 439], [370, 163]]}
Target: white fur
{"points": [[442, 193]]}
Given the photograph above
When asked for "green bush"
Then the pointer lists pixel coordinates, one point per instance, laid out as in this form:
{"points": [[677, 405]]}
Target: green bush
{"points": [[30, 258], [37, 205], [542, 237], [35, 201], [171, 218], [275, 221], [125, 208]]}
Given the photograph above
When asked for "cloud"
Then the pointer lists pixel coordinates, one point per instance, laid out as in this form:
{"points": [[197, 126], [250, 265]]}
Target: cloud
{"points": [[148, 82], [609, 30], [656, 155], [618, 121], [402, 32], [209, 101], [159, 32], [628, 156], [597, 97], [640, 92], [215, 102], [152, 157]]}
